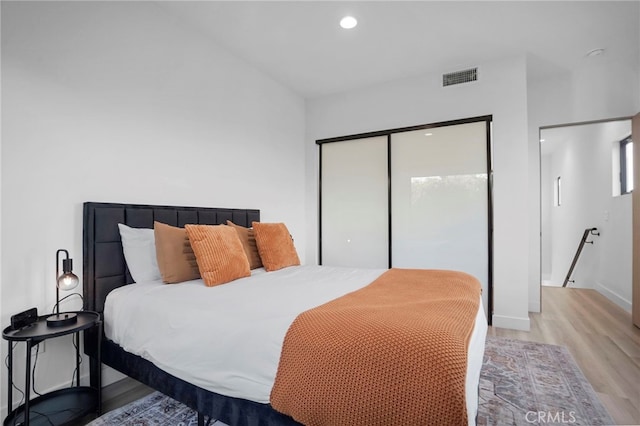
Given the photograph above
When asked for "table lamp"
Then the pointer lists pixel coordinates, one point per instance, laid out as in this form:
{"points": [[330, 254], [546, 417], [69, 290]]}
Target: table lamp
{"points": [[65, 281]]}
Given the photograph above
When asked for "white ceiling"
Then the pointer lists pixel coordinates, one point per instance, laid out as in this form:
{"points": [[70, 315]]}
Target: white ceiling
{"points": [[300, 44]]}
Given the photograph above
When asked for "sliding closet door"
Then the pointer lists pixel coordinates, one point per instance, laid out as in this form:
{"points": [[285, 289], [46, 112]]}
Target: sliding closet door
{"points": [[354, 216], [440, 200]]}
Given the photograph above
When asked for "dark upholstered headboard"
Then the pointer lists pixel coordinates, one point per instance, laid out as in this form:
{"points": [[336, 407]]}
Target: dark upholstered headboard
{"points": [[104, 267]]}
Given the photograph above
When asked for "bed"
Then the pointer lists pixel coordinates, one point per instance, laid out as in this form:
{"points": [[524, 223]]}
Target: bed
{"points": [[220, 393]]}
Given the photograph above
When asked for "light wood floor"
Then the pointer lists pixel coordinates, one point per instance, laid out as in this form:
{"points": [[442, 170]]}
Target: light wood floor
{"points": [[601, 338], [598, 333]]}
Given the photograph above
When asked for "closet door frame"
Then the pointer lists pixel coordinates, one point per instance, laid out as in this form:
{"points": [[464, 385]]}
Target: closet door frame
{"points": [[487, 119]]}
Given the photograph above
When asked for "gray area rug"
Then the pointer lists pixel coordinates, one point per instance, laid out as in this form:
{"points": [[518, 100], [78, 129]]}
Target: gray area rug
{"points": [[521, 383], [524, 383]]}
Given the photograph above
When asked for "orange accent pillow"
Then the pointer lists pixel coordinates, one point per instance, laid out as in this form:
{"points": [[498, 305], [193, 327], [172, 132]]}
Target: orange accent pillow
{"points": [[248, 240], [275, 245], [219, 253], [176, 260]]}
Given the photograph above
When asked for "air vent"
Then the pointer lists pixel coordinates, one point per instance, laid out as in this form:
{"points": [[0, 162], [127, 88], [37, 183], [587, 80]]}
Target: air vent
{"points": [[459, 77]]}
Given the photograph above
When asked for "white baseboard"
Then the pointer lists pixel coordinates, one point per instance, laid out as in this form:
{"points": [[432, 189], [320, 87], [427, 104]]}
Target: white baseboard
{"points": [[512, 323], [614, 297]]}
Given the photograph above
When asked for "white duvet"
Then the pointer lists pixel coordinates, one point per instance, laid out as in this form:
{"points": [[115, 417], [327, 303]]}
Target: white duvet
{"points": [[228, 338]]}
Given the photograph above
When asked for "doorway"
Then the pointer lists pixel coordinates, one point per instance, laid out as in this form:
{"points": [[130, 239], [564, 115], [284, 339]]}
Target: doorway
{"points": [[581, 167]]}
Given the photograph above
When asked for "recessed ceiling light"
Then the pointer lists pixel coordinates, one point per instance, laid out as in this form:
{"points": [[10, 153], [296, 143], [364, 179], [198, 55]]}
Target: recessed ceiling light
{"points": [[428, 134], [348, 22]]}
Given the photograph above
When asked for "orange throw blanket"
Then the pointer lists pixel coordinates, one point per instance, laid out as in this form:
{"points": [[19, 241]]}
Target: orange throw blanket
{"points": [[394, 352]]}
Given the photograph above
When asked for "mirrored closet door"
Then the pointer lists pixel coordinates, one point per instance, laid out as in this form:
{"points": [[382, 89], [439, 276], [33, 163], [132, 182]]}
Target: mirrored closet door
{"points": [[354, 203], [440, 200], [417, 197]]}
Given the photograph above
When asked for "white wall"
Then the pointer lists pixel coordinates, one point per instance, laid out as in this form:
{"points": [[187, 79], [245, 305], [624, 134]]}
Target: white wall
{"points": [[575, 161], [500, 91], [582, 156], [117, 102]]}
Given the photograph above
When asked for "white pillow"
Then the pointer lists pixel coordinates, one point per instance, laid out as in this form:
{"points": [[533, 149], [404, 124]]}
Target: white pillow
{"points": [[139, 247]]}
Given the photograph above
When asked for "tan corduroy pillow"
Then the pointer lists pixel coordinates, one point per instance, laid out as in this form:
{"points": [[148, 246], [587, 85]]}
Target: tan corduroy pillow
{"points": [[275, 245], [176, 260], [219, 253], [248, 240]]}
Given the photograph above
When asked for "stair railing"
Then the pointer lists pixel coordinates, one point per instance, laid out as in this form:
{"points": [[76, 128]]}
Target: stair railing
{"points": [[583, 241]]}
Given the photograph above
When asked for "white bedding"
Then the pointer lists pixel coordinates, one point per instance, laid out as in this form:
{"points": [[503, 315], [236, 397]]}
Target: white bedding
{"points": [[228, 338]]}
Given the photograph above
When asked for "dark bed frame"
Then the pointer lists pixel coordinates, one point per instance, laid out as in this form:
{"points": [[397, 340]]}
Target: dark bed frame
{"points": [[105, 269]]}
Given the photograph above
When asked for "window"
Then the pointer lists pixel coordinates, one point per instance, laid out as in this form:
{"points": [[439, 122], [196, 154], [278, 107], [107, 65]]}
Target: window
{"points": [[626, 165]]}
